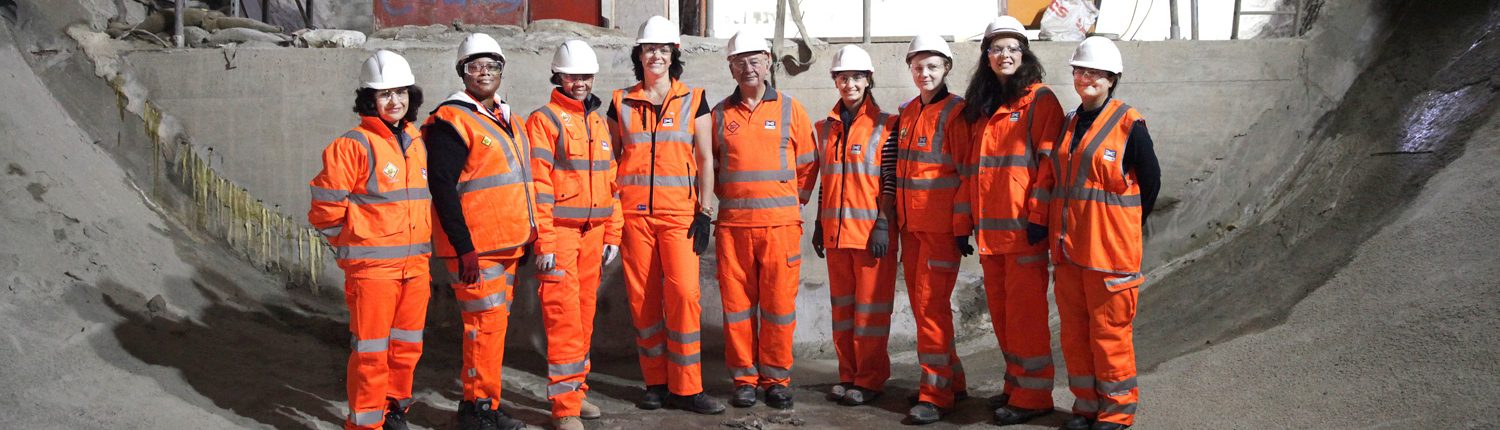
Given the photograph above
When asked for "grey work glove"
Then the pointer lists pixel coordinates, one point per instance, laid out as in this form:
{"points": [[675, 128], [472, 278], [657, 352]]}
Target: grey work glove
{"points": [[880, 239], [817, 239], [545, 262]]}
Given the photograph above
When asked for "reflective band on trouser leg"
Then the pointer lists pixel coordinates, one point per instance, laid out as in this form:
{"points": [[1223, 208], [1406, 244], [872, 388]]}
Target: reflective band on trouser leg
{"points": [[875, 289], [1112, 339], [842, 274], [568, 313], [406, 335], [372, 306], [1016, 287], [484, 308], [930, 288], [779, 252], [1073, 332], [740, 296]]}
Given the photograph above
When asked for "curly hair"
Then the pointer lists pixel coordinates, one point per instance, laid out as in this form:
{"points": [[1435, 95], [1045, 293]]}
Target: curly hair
{"points": [[364, 102], [987, 93]]}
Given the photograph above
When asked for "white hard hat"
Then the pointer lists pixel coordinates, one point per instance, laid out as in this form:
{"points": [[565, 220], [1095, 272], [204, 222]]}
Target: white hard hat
{"points": [[851, 57], [386, 70], [1098, 53], [575, 57], [658, 30], [926, 43], [479, 43], [747, 40], [1006, 25]]}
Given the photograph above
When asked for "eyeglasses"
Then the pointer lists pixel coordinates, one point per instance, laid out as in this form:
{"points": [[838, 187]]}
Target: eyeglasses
{"points": [[657, 49], [748, 63], [1087, 73], [569, 77], [479, 67], [996, 49], [387, 95], [844, 78]]}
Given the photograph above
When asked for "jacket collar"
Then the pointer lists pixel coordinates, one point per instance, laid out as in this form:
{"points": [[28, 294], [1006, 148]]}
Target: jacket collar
{"points": [[586, 106], [638, 91], [463, 96], [770, 95]]}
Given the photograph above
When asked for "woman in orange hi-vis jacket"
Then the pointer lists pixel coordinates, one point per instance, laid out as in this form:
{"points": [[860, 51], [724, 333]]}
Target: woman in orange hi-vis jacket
{"points": [[852, 143], [929, 208], [661, 134], [1016, 121], [1096, 192], [371, 202], [578, 224]]}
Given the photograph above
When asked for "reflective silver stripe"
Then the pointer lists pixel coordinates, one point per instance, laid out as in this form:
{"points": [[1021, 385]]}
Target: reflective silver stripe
{"points": [[1081, 382], [1118, 388], [843, 325], [872, 148], [546, 198], [1041, 194], [494, 272], [408, 336], [878, 330], [740, 372], [794, 259], [473, 372], [685, 360], [962, 208], [1106, 197], [381, 252], [542, 154], [661, 181], [1001, 224], [1117, 281], [565, 369], [655, 351], [933, 359], [555, 272], [786, 130], [923, 156], [929, 183], [734, 317], [401, 195], [807, 158], [1028, 259], [405, 403], [582, 165], [940, 264], [775, 372], [759, 203], [367, 418], [561, 140], [850, 213], [484, 303], [870, 308], [649, 332], [846, 168], [781, 319], [942, 123], [684, 338], [493, 181], [328, 195], [573, 212], [369, 345], [560, 388], [967, 170], [841, 300], [331, 231], [932, 379], [731, 177], [371, 182], [1115, 408], [995, 161], [661, 137], [1085, 406], [1030, 383], [512, 164]]}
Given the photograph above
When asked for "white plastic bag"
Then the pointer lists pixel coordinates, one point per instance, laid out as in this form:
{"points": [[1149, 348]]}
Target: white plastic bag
{"points": [[1068, 20]]}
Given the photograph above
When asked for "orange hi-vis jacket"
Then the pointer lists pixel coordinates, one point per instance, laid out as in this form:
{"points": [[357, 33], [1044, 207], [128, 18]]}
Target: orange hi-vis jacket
{"points": [[933, 140], [765, 160], [371, 202], [850, 158], [1002, 166], [573, 169], [1095, 207], [494, 188], [658, 171]]}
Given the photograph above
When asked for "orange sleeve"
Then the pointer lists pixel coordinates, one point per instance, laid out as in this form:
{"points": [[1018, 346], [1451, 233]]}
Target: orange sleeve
{"points": [[345, 164], [960, 150], [806, 146], [616, 223], [542, 137], [1046, 129]]}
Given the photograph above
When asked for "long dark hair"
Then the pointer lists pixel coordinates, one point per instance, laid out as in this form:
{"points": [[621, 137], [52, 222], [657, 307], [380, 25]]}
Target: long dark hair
{"points": [[986, 93], [364, 102], [674, 71]]}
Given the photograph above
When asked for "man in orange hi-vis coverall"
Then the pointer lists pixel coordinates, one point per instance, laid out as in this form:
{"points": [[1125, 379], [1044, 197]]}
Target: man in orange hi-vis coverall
{"points": [[371, 202], [766, 169], [578, 224]]}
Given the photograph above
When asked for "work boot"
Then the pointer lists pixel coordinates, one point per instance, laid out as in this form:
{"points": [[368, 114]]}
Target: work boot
{"points": [[838, 391], [1009, 415], [655, 395], [958, 396], [924, 413], [479, 416], [503, 421], [395, 416], [779, 397], [744, 396], [698, 403], [858, 396], [1106, 425], [1077, 422], [468, 417], [588, 411], [999, 400], [567, 423]]}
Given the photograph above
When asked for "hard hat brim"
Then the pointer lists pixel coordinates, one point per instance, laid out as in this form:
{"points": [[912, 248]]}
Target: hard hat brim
{"points": [[577, 70], [1096, 66], [388, 85]]}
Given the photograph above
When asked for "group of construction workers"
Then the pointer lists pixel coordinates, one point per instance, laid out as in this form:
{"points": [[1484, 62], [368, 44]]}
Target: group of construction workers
{"points": [[651, 173]]}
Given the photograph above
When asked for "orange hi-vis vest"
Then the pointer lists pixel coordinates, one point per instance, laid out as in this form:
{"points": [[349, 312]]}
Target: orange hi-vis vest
{"points": [[573, 171], [765, 161], [371, 202], [494, 187], [1096, 206], [1002, 168], [658, 171], [933, 140], [849, 201]]}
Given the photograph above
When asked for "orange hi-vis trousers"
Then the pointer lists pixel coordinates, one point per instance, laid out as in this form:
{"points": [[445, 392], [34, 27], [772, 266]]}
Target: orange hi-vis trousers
{"points": [[1098, 342], [758, 276], [1015, 286], [569, 294], [484, 308], [661, 274], [386, 317], [930, 261], [862, 290]]}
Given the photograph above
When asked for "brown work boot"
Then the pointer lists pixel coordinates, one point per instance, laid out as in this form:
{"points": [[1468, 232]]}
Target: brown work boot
{"points": [[589, 411], [567, 423]]}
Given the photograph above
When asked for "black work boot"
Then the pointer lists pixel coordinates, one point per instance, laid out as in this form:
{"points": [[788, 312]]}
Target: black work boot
{"points": [[698, 403], [1078, 422], [1009, 415], [924, 413], [1106, 425], [779, 397], [655, 395], [999, 400], [838, 391], [395, 416], [744, 396]]}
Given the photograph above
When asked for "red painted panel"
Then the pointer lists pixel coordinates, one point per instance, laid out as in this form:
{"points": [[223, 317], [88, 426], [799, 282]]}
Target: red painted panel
{"points": [[392, 13], [581, 11]]}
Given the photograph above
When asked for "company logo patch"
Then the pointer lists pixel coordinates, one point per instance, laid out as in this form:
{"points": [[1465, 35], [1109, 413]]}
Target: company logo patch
{"points": [[854, 149], [732, 127], [667, 122], [640, 207], [1015, 116], [1109, 155], [770, 124], [390, 170], [487, 142], [424, 173], [922, 141], [604, 144]]}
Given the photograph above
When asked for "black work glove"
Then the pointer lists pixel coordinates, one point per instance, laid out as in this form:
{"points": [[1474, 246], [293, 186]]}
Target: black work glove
{"points": [[699, 231], [964, 248], [817, 239], [1035, 233], [468, 268], [880, 239]]}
